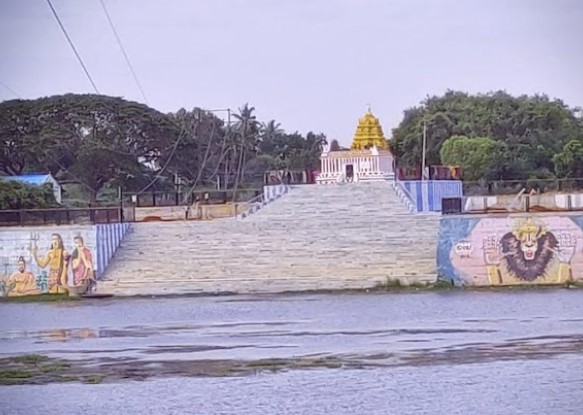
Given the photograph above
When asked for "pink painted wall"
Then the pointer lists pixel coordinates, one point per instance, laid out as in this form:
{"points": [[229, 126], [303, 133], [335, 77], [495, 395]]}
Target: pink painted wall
{"points": [[512, 250]]}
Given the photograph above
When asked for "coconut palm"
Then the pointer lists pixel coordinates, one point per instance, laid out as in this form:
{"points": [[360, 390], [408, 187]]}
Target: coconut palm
{"points": [[245, 140]]}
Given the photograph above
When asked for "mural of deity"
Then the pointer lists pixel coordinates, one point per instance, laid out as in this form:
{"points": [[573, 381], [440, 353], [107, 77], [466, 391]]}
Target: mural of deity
{"points": [[510, 250], [82, 263], [21, 282], [56, 258], [528, 253]]}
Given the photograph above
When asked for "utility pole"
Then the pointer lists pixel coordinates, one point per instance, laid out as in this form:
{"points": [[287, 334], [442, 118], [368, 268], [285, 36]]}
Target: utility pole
{"points": [[424, 148]]}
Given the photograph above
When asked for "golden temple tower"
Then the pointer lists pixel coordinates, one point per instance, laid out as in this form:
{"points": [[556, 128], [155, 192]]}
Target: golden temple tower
{"points": [[369, 133]]}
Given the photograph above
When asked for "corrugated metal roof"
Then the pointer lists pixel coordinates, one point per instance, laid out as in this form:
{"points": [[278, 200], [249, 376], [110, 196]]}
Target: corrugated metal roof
{"points": [[34, 179]]}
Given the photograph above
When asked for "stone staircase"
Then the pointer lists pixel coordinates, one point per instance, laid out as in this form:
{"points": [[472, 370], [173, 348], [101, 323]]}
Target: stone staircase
{"points": [[314, 238]]}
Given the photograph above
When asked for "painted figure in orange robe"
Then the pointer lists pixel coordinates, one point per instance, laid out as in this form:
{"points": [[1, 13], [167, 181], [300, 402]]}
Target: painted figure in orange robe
{"points": [[56, 259], [21, 282]]}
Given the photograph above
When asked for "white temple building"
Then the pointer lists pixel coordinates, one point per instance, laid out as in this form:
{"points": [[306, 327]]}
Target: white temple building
{"points": [[369, 158]]}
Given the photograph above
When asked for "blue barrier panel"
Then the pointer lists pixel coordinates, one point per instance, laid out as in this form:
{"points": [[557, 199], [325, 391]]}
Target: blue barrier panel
{"points": [[427, 195]]}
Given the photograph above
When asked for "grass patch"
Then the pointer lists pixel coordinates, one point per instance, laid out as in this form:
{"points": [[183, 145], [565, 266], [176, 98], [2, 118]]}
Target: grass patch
{"points": [[30, 359], [15, 374], [266, 363], [55, 367], [93, 379], [41, 298], [396, 285]]}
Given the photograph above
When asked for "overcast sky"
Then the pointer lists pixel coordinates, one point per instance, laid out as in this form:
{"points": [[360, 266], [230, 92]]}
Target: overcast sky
{"points": [[309, 64]]}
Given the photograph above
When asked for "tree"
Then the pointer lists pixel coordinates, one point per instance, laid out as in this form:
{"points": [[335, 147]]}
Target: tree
{"points": [[202, 148], [478, 157], [246, 139], [569, 162], [101, 142], [334, 145], [92, 140], [17, 195], [532, 129]]}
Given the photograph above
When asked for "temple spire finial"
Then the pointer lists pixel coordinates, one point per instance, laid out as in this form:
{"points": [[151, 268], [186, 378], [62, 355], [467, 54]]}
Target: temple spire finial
{"points": [[368, 106]]}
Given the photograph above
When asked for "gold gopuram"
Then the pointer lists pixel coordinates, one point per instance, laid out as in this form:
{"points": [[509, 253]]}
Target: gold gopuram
{"points": [[368, 159], [369, 133]]}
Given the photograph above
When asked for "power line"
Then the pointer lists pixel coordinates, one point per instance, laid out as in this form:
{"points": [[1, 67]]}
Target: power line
{"points": [[127, 59], [174, 148], [12, 91], [72, 45]]}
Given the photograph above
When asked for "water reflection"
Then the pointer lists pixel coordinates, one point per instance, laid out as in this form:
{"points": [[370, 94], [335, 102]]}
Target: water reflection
{"points": [[422, 353]]}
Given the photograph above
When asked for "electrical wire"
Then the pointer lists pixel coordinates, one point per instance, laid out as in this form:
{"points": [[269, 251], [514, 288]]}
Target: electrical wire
{"points": [[12, 91], [203, 164], [72, 45], [123, 51], [159, 174]]}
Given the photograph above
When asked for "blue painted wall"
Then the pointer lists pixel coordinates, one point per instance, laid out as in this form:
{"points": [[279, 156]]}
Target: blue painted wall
{"points": [[426, 195], [107, 238]]}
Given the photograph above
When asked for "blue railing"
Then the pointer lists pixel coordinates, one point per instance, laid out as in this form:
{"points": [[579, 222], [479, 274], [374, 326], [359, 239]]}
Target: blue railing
{"points": [[426, 195]]}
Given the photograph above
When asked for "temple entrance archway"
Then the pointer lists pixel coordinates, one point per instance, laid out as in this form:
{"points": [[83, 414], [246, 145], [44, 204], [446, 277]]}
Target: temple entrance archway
{"points": [[349, 171]]}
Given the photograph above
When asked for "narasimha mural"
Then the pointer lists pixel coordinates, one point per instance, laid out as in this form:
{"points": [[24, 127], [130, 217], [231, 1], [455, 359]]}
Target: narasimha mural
{"points": [[46, 262], [511, 250]]}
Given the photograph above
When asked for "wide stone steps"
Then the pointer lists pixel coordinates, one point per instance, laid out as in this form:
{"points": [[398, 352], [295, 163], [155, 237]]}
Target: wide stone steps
{"points": [[313, 238]]}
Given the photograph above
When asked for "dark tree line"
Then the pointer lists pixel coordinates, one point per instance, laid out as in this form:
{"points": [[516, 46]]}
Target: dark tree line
{"points": [[102, 143]]}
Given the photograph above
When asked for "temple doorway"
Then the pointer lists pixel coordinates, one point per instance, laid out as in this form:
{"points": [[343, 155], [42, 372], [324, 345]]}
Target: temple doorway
{"points": [[349, 171]]}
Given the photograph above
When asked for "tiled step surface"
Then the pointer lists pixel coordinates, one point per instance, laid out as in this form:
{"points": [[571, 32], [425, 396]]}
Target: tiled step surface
{"points": [[315, 237]]}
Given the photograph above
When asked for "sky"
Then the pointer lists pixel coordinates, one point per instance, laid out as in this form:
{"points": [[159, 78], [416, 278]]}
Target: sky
{"points": [[312, 65]]}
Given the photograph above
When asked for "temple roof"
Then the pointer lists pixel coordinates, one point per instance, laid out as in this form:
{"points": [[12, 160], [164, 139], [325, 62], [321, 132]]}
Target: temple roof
{"points": [[369, 132], [356, 153]]}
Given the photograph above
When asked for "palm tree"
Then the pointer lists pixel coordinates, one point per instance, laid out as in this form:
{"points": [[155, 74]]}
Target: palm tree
{"points": [[246, 139], [270, 132]]}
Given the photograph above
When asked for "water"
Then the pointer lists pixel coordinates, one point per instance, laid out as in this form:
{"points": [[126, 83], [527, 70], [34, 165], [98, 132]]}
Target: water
{"points": [[423, 353]]}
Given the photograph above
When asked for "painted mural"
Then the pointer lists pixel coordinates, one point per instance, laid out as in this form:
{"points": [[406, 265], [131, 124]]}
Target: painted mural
{"points": [[511, 250], [43, 261]]}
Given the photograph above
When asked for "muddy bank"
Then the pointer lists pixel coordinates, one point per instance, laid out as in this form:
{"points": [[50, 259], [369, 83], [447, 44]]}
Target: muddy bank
{"points": [[391, 286], [40, 369]]}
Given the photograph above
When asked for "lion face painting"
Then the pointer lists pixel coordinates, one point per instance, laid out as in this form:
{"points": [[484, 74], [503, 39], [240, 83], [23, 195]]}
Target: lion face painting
{"points": [[529, 251]]}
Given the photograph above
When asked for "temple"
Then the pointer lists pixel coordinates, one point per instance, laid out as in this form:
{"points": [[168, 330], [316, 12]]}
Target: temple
{"points": [[369, 158]]}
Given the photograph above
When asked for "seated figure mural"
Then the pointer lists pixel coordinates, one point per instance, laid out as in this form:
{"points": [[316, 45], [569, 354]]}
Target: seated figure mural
{"points": [[55, 271]]}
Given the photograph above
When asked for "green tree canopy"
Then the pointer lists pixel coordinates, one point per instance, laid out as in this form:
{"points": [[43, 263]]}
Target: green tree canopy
{"points": [[478, 157], [532, 129], [569, 162], [102, 142], [92, 140], [17, 195]]}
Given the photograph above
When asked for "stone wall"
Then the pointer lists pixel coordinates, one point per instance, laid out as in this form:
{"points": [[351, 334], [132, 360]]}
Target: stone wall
{"points": [[35, 260], [511, 249]]}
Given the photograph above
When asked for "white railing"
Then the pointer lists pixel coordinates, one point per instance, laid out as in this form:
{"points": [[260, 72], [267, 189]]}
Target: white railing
{"points": [[270, 193], [370, 176], [404, 195]]}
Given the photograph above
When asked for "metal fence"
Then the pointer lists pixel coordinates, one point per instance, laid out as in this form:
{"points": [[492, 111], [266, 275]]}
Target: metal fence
{"points": [[507, 187], [527, 203], [33, 217], [213, 197]]}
